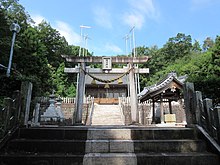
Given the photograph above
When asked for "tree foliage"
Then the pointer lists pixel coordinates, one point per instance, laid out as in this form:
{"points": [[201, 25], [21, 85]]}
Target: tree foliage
{"points": [[202, 68], [37, 53], [37, 57]]}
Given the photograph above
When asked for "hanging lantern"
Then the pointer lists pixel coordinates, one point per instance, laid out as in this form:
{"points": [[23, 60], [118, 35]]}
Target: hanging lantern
{"points": [[120, 81], [106, 86], [93, 82]]}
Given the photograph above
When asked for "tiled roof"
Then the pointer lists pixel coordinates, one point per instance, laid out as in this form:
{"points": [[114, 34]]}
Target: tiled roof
{"points": [[162, 85]]}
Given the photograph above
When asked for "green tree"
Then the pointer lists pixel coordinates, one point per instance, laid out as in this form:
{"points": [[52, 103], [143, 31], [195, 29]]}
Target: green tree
{"points": [[5, 39], [177, 47], [196, 47], [61, 83], [54, 42], [208, 43]]}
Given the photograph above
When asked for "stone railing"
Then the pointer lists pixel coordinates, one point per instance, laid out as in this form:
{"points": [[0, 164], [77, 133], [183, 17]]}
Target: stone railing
{"points": [[202, 113], [67, 108], [10, 114], [144, 109]]}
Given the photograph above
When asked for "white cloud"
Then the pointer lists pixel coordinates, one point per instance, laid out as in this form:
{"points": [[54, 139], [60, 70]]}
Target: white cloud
{"points": [[102, 17], [65, 30], [140, 10], [134, 19], [197, 4], [38, 18], [109, 47]]}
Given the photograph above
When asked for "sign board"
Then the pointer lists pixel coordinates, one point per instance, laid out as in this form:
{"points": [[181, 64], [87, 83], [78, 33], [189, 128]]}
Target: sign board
{"points": [[106, 63]]}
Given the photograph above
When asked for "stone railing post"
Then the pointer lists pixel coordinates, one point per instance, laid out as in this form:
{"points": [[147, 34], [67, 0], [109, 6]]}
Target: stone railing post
{"points": [[189, 103], [17, 106], [217, 121], [207, 106], [198, 106], [26, 92], [8, 107]]}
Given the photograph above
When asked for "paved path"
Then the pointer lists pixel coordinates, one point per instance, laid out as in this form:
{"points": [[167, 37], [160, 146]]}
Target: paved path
{"points": [[107, 115]]}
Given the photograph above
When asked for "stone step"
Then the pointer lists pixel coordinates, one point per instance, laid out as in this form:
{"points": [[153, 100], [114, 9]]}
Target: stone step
{"points": [[144, 146], [151, 159], [107, 115], [41, 159], [72, 133], [111, 159], [107, 133], [47, 146], [105, 146], [140, 134]]}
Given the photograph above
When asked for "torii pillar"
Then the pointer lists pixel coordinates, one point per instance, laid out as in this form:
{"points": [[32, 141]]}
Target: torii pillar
{"points": [[114, 60], [80, 93]]}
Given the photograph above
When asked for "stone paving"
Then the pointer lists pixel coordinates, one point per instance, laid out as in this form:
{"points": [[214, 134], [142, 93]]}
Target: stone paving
{"points": [[107, 115]]}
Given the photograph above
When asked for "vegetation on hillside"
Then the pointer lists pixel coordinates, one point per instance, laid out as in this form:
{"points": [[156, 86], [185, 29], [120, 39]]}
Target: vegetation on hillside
{"points": [[38, 48]]}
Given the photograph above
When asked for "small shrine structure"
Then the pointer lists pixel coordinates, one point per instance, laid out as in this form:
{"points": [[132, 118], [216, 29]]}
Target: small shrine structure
{"points": [[167, 90]]}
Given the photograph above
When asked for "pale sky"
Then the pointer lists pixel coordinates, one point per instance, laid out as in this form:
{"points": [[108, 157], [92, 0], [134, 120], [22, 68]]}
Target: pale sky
{"points": [[155, 21]]}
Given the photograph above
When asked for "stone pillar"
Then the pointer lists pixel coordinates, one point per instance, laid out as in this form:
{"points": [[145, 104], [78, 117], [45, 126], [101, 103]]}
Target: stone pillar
{"points": [[217, 120], [80, 94], [198, 106], [133, 93], [183, 112], [188, 101], [207, 106], [161, 111], [153, 120], [27, 96], [35, 121]]}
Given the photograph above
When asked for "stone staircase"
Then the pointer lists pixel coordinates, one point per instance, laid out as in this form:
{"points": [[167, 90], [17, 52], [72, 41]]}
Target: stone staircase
{"points": [[107, 145], [107, 115]]}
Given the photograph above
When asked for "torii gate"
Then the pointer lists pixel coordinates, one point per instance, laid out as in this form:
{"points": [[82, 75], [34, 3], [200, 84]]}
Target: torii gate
{"points": [[106, 68]]}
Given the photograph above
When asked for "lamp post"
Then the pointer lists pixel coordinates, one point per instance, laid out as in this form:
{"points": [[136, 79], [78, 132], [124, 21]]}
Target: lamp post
{"points": [[15, 28]]}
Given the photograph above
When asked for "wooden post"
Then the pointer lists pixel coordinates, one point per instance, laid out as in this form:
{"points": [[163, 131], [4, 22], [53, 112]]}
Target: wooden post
{"points": [[133, 93], [80, 94], [170, 107]]}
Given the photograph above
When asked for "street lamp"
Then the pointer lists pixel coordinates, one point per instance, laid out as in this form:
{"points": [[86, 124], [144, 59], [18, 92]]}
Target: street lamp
{"points": [[15, 28]]}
